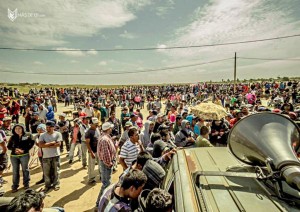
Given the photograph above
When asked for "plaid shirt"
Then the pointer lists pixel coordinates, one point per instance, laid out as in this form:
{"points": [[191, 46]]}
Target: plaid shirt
{"points": [[106, 150]]}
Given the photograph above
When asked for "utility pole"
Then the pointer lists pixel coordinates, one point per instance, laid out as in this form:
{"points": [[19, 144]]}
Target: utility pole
{"points": [[234, 75]]}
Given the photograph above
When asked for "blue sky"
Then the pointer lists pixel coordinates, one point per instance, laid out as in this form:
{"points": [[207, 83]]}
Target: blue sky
{"points": [[121, 24]]}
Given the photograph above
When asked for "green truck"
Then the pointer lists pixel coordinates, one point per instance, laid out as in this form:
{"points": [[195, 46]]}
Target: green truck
{"points": [[257, 172]]}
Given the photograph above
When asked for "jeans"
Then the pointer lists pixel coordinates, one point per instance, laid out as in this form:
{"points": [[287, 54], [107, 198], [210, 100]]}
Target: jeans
{"points": [[105, 178], [41, 161], [16, 161], [91, 167], [27, 125], [51, 171], [65, 137], [84, 152], [72, 149], [54, 107]]}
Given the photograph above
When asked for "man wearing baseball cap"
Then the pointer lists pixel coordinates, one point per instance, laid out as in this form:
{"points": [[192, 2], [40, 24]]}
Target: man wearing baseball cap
{"points": [[64, 126], [125, 116], [50, 142], [159, 121], [124, 137], [83, 127], [106, 152], [6, 126], [91, 138], [133, 119]]}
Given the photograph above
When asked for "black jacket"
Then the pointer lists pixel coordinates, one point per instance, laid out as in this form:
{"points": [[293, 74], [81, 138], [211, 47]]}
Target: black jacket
{"points": [[25, 142]]}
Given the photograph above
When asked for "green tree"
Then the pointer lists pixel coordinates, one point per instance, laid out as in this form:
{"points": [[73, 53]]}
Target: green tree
{"points": [[285, 78]]}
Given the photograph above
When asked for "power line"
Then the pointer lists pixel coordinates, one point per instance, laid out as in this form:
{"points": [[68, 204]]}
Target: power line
{"points": [[255, 58], [115, 73], [151, 48]]}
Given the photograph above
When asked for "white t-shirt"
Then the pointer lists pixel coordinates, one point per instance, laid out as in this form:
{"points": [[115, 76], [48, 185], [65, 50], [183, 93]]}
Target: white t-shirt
{"points": [[88, 111], [1, 141]]}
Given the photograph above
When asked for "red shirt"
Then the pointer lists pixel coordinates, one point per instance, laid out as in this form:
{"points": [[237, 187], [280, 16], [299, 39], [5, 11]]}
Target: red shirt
{"points": [[82, 114], [15, 110], [3, 113]]}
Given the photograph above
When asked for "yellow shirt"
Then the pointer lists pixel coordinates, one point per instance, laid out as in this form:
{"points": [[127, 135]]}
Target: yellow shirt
{"points": [[97, 114], [202, 142]]}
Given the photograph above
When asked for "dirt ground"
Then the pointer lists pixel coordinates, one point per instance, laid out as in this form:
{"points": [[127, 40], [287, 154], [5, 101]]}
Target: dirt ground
{"points": [[75, 194]]}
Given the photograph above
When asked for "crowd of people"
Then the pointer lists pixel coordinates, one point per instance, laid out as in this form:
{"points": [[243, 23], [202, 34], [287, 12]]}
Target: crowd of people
{"points": [[143, 144]]}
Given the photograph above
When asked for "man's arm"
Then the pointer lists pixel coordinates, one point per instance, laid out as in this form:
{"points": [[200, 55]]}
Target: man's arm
{"points": [[42, 144], [123, 164], [4, 148], [107, 157], [52, 144], [141, 146], [87, 141]]}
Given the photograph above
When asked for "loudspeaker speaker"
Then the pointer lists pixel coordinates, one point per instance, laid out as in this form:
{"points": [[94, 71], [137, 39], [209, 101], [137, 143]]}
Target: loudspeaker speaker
{"points": [[263, 137]]}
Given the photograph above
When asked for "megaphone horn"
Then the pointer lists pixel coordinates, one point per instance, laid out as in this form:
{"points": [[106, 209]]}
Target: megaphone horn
{"points": [[263, 137]]}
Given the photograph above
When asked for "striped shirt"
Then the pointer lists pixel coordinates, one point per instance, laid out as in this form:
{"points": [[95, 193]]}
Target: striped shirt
{"points": [[129, 152], [111, 202]]}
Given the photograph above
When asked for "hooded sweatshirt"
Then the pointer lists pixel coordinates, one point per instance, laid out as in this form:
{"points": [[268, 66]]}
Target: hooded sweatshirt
{"points": [[145, 134], [50, 114], [25, 142], [182, 135], [43, 113]]}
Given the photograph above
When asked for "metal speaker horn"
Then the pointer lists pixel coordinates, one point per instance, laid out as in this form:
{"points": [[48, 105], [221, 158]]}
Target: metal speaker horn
{"points": [[263, 137]]}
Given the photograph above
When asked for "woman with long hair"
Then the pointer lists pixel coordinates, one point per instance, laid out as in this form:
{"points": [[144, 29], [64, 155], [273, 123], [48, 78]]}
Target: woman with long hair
{"points": [[20, 143]]}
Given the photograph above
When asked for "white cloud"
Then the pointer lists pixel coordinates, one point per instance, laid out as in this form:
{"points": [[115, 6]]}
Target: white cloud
{"points": [[161, 46], [92, 52], [236, 20], [102, 63], [37, 63], [75, 52], [163, 10], [74, 18], [128, 35]]}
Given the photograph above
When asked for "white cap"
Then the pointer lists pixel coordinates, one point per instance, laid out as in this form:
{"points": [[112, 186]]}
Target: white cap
{"points": [[107, 126], [95, 120], [62, 115]]}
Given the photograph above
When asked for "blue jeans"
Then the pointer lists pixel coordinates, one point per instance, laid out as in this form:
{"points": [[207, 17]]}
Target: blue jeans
{"points": [[105, 178], [51, 171], [15, 162]]}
